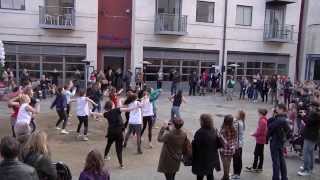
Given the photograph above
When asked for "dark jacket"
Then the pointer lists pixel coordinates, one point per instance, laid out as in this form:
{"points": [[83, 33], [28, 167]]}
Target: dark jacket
{"points": [[60, 102], [193, 79], [171, 152], [311, 131], [16, 170], [205, 156], [85, 175], [278, 128], [43, 166]]}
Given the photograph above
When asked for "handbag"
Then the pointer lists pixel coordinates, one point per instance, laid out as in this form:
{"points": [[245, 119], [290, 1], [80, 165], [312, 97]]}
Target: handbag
{"points": [[187, 153]]}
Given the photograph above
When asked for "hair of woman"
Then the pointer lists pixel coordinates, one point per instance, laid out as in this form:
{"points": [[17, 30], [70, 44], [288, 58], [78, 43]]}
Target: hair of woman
{"points": [[94, 162], [228, 124], [37, 143], [206, 121]]}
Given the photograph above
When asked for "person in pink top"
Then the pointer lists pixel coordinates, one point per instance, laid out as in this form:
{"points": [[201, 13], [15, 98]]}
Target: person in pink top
{"points": [[261, 139]]}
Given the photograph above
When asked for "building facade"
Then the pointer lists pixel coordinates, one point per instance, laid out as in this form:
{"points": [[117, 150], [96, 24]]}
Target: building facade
{"points": [[260, 36], [309, 59], [114, 34], [49, 36]]}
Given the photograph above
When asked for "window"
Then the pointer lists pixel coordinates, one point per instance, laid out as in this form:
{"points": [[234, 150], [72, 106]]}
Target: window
{"points": [[205, 12], [244, 15], [12, 4]]}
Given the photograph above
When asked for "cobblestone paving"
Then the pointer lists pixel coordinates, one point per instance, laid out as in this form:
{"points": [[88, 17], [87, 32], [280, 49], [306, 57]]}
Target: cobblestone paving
{"points": [[143, 167]]}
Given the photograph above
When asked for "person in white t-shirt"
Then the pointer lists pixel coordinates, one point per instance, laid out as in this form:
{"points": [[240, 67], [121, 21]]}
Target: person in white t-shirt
{"points": [[135, 121], [22, 125], [83, 112], [147, 114]]}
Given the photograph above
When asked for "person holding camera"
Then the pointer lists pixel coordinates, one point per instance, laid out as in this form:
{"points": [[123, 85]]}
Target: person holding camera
{"points": [[173, 139]]}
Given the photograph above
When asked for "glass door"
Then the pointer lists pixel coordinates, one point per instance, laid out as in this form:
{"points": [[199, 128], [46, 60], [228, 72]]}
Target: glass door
{"points": [[275, 20]]}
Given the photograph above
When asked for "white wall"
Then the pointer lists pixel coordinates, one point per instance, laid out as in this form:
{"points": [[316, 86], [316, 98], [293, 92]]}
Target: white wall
{"points": [[208, 36], [23, 26]]}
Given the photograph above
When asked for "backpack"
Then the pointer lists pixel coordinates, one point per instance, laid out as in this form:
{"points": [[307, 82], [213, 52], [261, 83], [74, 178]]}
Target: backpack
{"points": [[63, 171]]}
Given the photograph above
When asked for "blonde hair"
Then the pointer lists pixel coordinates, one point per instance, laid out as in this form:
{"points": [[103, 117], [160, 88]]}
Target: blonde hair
{"points": [[37, 143], [24, 99]]}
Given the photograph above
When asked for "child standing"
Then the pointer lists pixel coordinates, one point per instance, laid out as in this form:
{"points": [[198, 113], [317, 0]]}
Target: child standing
{"points": [[83, 111], [261, 139], [229, 134], [60, 103], [240, 127]]}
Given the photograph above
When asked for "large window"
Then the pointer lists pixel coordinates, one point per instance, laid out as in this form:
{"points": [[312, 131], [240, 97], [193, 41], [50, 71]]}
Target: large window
{"points": [[205, 11], [244, 15], [12, 4]]}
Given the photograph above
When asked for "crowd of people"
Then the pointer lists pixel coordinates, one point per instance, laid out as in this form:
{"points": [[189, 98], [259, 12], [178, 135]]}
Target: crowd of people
{"points": [[294, 124]]}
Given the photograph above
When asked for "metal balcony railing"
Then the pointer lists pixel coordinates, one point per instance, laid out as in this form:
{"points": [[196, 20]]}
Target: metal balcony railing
{"points": [[171, 24], [278, 33], [53, 17], [280, 2]]}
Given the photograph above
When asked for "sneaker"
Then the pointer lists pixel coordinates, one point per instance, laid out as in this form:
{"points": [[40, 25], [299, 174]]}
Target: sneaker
{"points": [[304, 173], [121, 167], [301, 168], [150, 145], [85, 138], [57, 128], [140, 152], [234, 177], [63, 131], [108, 158], [80, 136]]}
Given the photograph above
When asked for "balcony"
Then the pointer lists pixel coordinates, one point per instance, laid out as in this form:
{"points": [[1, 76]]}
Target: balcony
{"points": [[52, 17], [278, 33], [280, 2], [171, 24]]}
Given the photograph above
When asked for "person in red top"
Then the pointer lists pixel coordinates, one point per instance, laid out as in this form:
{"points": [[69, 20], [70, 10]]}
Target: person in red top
{"points": [[261, 140], [113, 96], [14, 103]]}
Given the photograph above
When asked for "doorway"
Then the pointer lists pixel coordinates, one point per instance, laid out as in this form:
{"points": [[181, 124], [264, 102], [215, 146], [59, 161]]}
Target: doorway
{"points": [[113, 63], [316, 75]]}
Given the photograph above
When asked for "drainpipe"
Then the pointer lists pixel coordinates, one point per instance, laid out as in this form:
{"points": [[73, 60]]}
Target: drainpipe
{"points": [[299, 50], [224, 45]]}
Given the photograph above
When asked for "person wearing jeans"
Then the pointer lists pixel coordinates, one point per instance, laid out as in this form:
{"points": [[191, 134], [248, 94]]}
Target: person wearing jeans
{"points": [[176, 100], [278, 127], [311, 134]]}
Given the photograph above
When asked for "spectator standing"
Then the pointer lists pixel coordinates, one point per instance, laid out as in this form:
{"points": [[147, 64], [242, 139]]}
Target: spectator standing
{"points": [[240, 127], [278, 128], [273, 89], [173, 139], [243, 87], [311, 134], [205, 156], [175, 78], [10, 167], [287, 91], [230, 88], [265, 89], [25, 77], [36, 154], [229, 134], [160, 77], [193, 80], [261, 139], [127, 77], [94, 167], [44, 86]]}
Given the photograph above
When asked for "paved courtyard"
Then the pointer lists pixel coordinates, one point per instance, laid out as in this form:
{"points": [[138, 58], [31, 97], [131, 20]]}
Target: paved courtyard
{"points": [[144, 167]]}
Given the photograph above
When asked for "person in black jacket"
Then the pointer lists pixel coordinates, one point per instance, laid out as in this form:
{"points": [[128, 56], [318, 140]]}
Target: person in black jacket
{"points": [[36, 154], [10, 167], [193, 80], [205, 156], [278, 129], [60, 103], [311, 134]]}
